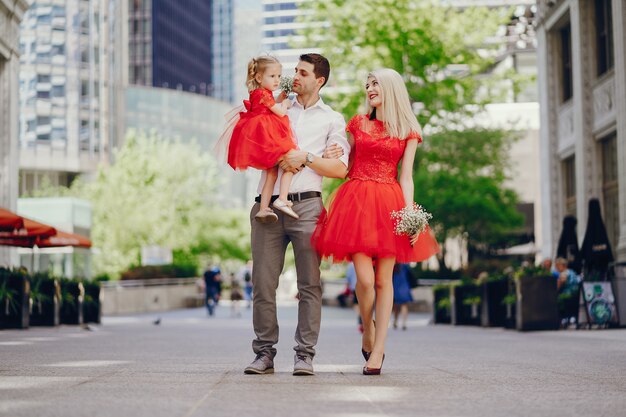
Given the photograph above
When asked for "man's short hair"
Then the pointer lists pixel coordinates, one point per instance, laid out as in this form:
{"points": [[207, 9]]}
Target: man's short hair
{"points": [[321, 66]]}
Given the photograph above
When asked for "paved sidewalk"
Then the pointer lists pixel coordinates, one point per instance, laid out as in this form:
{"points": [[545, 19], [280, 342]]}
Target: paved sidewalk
{"points": [[192, 365]]}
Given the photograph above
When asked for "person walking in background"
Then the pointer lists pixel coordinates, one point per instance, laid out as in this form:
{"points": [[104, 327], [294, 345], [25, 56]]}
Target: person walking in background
{"points": [[258, 137], [401, 294], [358, 225], [247, 283], [317, 128], [236, 295], [213, 288]]}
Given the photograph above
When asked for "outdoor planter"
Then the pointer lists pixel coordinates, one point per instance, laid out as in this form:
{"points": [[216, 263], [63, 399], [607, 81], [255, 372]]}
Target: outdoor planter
{"points": [[72, 294], [510, 307], [45, 301], [92, 304], [536, 301], [14, 299], [494, 310], [465, 302], [441, 304]]}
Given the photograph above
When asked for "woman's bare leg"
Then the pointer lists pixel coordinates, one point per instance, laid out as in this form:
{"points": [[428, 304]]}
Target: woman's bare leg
{"points": [[384, 305], [365, 293]]}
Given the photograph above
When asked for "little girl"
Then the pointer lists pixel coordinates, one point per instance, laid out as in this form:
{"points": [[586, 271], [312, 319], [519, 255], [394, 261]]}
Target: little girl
{"points": [[258, 137]]}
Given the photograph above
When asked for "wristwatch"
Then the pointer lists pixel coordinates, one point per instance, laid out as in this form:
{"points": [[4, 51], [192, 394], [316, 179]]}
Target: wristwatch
{"points": [[309, 158]]}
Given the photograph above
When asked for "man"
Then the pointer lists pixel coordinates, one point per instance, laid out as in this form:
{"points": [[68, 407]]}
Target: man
{"points": [[213, 288], [316, 127]]}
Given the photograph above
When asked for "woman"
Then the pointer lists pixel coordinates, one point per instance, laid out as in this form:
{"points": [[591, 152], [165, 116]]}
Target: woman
{"points": [[401, 294], [358, 225]]}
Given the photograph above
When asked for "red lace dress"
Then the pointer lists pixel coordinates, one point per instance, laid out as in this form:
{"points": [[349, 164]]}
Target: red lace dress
{"points": [[259, 137], [359, 217]]}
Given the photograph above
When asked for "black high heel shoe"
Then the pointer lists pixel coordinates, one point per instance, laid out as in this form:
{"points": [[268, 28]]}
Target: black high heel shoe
{"points": [[374, 371], [365, 354]]}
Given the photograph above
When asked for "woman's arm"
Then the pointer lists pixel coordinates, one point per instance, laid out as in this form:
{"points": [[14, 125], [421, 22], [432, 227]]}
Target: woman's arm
{"points": [[406, 172]]}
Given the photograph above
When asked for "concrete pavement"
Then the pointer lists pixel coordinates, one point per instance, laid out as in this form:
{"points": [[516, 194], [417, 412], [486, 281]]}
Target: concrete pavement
{"points": [[191, 365]]}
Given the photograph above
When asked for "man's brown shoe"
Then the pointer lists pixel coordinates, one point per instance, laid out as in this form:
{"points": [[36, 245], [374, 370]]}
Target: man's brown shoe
{"points": [[303, 365], [261, 365]]}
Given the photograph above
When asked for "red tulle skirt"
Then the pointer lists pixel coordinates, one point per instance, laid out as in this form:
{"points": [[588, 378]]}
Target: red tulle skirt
{"points": [[259, 140], [359, 220]]}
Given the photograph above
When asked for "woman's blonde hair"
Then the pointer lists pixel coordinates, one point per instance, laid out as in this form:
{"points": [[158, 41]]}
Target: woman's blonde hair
{"points": [[395, 110], [258, 66]]}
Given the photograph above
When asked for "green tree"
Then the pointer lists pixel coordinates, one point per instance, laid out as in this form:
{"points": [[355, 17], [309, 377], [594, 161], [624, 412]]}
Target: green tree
{"points": [[158, 192], [440, 50], [460, 178]]}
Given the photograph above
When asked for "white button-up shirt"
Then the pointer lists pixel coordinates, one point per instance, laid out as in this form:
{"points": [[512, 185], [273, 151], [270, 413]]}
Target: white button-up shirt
{"points": [[314, 128]]}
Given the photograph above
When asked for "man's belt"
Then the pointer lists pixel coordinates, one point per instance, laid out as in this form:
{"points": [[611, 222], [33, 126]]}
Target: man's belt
{"points": [[294, 196]]}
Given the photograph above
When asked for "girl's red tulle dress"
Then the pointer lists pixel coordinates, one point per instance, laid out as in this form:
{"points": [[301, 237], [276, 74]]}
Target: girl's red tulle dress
{"points": [[359, 217], [256, 138]]}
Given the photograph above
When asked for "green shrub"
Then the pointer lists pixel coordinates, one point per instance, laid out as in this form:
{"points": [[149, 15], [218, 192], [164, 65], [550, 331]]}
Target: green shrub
{"points": [[160, 271]]}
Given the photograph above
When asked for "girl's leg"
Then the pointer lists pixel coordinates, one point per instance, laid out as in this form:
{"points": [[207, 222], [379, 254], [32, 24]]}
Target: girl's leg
{"points": [[384, 305], [285, 182], [365, 294], [268, 187], [282, 203]]}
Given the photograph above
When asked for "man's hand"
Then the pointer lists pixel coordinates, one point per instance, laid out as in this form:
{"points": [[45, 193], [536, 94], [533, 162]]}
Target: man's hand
{"points": [[293, 160], [333, 151]]}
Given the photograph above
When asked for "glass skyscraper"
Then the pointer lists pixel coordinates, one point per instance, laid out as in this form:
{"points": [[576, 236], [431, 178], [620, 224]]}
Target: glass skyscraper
{"points": [[61, 85], [183, 47]]}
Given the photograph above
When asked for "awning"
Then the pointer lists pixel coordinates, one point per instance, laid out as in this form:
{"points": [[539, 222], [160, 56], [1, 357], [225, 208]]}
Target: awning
{"points": [[31, 233], [64, 239], [10, 221]]}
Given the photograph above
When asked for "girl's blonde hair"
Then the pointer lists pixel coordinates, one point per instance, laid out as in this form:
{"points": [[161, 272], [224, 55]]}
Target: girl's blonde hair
{"points": [[258, 66], [395, 110]]}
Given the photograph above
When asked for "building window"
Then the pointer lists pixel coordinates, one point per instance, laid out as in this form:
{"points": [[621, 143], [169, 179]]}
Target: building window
{"points": [[566, 63], [604, 36], [569, 183], [610, 187]]}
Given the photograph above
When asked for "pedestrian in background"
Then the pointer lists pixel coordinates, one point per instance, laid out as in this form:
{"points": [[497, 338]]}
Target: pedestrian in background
{"points": [[247, 283], [236, 295], [213, 288], [401, 294]]}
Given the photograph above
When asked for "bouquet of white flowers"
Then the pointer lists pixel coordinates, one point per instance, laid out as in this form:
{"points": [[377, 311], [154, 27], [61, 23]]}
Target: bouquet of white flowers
{"points": [[286, 84], [410, 220]]}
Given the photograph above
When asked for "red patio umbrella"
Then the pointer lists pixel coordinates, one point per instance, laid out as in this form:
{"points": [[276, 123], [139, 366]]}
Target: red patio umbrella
{"points": [[10, 221], [27, 235], [63, 239]]}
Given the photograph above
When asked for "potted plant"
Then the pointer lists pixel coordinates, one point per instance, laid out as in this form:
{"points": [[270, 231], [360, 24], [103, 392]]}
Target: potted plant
{"points": [[536, 293], [441, 304], [465, 301], [72, 296], [509, 302], [92, 303], [14, 294], [45, 300], [494, 289]]}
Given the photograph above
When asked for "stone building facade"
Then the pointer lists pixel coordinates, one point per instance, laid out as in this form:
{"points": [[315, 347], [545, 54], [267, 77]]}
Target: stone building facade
{"points": [[11, 14], [582, 80]]}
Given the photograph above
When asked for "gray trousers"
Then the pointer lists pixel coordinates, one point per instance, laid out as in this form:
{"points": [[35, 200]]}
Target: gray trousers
{"points": [[269, 244]]}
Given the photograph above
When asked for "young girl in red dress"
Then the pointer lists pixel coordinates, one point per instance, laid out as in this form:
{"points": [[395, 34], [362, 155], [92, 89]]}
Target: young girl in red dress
{"points": [[358, 225], [259, 136]]}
